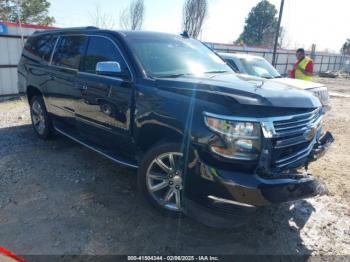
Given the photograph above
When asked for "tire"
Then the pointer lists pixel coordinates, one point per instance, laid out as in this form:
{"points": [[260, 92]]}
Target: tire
{"points": [[162, 185], [41, 121]]}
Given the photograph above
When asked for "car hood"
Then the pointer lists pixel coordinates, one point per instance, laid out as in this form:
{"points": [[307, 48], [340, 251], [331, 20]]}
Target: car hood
{"points": [[243, 89], [300, 84]]}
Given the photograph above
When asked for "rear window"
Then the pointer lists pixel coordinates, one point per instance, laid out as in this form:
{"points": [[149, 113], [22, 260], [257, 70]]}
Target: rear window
{"points": [[69, 51], [41, 47]]}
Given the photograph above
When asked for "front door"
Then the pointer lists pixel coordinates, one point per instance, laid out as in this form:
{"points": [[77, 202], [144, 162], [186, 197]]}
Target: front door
{"points": [[103, 112]]}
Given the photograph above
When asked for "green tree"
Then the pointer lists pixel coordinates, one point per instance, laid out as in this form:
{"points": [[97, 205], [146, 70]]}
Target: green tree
{"points": [[27, 11], [260, 25], [346, 47], [5, 9]]}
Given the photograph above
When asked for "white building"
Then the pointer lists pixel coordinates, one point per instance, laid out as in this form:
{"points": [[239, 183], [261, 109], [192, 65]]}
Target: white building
{"points": [[10, 52]]}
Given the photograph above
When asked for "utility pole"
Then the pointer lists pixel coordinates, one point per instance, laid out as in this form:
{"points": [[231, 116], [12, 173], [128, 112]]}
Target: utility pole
{"points": [[19, 22], [277, 34]]}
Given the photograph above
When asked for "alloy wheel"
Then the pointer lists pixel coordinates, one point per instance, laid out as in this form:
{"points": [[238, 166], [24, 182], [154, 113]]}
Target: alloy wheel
{"points": [[165, 180], [38, 117]]}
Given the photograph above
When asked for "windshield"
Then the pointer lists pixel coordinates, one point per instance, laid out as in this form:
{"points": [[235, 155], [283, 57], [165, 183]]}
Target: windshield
{"points": [[171, 56], [259, 67]]}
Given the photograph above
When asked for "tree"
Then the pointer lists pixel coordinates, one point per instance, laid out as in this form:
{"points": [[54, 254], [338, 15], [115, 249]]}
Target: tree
{"points": [[26, 11], [131, 18], [5, 10], [101, 20], [260, 25], [282, 38], [345, 50], [193, 17]]}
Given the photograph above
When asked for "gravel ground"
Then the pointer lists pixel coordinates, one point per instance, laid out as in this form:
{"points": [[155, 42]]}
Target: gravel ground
{"points": [[58, 197]]}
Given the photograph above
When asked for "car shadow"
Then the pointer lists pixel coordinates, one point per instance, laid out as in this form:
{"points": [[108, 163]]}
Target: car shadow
{"points": [[58, 197]]}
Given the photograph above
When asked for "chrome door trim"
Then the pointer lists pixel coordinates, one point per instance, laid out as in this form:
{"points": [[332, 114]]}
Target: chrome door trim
{"points": [[93, 35]]}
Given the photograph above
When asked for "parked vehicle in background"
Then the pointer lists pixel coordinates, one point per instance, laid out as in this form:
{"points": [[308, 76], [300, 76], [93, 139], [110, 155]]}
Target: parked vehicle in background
{"points": [[203, 139], [259, 67]]}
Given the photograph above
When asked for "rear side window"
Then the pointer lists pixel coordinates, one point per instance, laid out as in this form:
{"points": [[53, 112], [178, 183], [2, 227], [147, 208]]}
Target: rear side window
{"points": [[69, 51], [101, 49], [41, 47]]}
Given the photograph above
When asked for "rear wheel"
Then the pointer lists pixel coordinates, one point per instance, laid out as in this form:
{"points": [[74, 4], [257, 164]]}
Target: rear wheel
{"points": [[160, 178], [40, 118]]}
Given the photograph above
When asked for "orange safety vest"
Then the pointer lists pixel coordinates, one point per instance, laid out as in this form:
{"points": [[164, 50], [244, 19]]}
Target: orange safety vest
{"points": [[302, 64]]}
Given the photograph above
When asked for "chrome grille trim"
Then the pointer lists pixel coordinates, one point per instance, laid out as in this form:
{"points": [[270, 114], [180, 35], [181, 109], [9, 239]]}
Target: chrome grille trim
{"points": [[295, 159], [298, 123], [291, 133], [281, 123], [282, 143], [297, 154]]}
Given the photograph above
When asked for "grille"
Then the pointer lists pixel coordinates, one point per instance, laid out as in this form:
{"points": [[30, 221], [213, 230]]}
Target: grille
{"points": [[322, 94], [294, 138]]}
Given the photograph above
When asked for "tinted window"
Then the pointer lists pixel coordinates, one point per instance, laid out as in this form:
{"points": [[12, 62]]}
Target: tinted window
{"points": [[69, 51], [41, 46], [101, 49], [167, 55]]}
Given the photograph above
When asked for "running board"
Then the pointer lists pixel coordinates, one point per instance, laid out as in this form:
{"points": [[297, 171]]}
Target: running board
{"points": [[105, 154]]}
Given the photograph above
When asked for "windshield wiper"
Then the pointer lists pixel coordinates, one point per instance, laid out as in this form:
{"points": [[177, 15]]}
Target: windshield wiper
{"points": [[188, 74], [172, 75], [216, 72]]}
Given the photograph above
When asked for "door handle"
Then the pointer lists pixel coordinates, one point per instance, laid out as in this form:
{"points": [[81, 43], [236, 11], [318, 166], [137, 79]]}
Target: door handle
{"points": [[83, 87]]}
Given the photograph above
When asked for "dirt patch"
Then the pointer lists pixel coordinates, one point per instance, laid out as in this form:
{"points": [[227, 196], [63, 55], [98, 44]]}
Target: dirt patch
{"points": [[58, 197]]}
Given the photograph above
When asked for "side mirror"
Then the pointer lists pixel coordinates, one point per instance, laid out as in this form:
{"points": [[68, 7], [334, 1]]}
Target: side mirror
{"points": [[109, 68]]}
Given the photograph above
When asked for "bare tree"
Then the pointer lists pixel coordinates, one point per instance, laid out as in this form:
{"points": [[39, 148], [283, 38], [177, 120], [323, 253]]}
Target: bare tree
{"points": [[101, 20], [194, 14], [131, 18]]}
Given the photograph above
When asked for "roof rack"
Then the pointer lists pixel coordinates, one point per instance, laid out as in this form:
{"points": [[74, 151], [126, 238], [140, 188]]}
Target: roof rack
{"points": [[67, 29]]}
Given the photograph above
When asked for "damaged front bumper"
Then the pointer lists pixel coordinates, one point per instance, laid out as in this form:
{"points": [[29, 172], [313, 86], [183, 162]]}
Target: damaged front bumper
{"points": [[228, 191], [321, 147]]}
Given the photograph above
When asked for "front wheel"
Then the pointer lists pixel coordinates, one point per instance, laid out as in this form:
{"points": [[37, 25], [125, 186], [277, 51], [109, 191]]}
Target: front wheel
{"points": [[160, 178]]}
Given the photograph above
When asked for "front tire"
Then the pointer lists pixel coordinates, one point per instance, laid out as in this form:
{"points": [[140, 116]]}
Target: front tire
{"points": [[160, 178], [41, 121]]}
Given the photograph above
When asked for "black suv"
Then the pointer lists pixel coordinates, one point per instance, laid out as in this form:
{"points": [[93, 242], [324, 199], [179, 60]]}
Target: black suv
{"points": [[201, 137]]}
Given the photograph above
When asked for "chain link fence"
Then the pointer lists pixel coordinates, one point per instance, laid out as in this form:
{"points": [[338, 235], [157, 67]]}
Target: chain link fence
{"points": [[285, 59]]}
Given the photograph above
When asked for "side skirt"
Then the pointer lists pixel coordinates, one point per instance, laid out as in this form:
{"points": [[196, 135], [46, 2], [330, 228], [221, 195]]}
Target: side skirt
{"points": [[100, 151]]}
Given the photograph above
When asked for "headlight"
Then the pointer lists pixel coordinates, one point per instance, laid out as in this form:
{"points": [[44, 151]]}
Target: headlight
{"points": [[241, 139]]}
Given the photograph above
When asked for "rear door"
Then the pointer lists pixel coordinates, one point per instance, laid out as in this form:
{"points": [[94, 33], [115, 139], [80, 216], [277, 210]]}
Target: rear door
{"points": [[103, 112], [62, 92], [34, 65]]}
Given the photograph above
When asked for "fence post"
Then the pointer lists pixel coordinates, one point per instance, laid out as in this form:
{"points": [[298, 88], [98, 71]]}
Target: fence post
{"points": [[335, 62], [286, 68], [321, 63], [328, 63]]}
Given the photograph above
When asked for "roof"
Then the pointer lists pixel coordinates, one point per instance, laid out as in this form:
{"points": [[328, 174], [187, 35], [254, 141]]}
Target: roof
{"points": [[121, 33], [69, 29], [144, 34], [237, 55]]}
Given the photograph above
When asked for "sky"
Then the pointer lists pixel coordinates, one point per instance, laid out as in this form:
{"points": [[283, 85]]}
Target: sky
{"points": [[306, 21]]}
